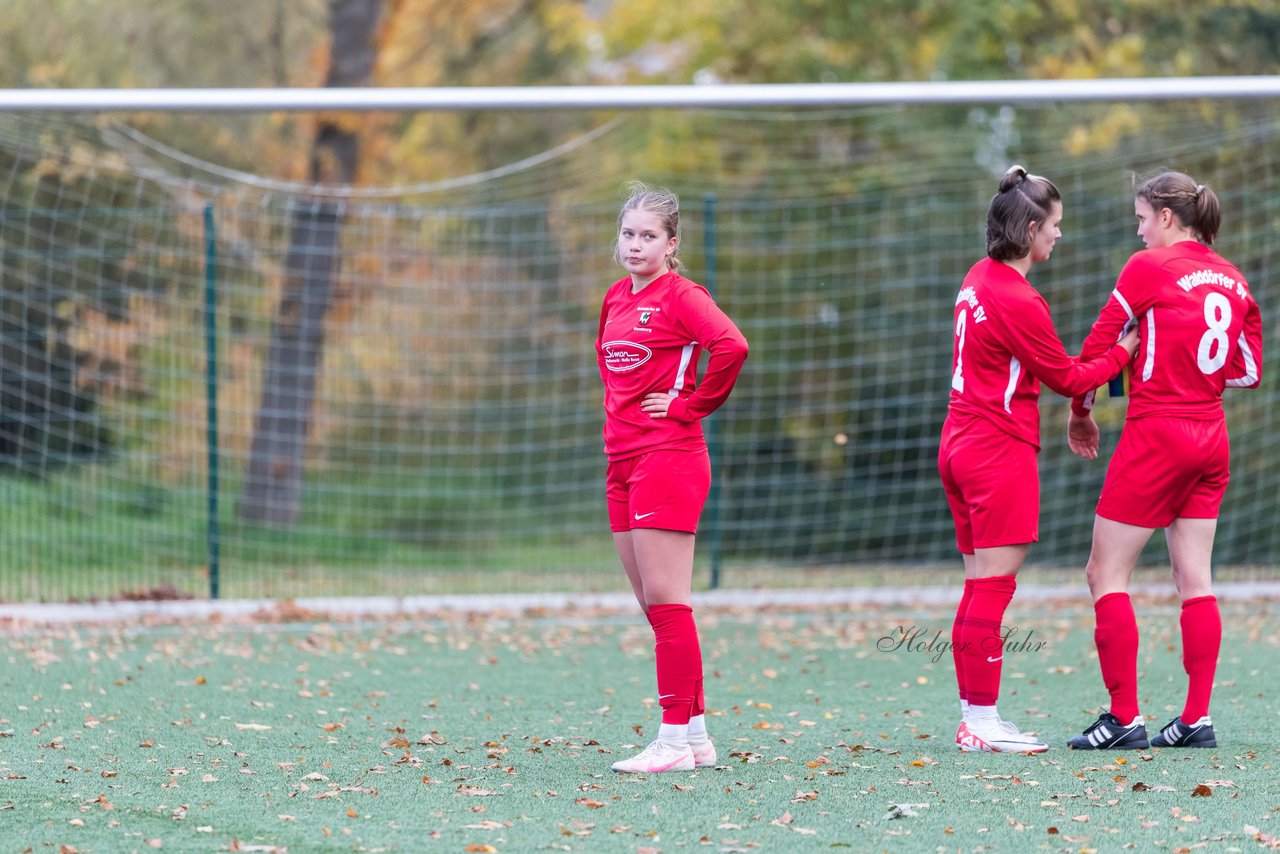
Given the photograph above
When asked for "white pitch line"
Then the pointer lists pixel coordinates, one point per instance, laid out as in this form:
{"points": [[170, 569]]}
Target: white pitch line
{"points": [[42, 613]]}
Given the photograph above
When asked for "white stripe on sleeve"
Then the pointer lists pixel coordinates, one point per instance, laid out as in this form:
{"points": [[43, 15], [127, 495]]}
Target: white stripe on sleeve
{"points": [[1015, 370], [1125, 305], [1250, 367], [1150, 364], [686, 353]]}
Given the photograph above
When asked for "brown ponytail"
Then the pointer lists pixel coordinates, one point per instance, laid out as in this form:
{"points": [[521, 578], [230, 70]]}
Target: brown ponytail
{"points": [[1022, 198], [1195, 205]]}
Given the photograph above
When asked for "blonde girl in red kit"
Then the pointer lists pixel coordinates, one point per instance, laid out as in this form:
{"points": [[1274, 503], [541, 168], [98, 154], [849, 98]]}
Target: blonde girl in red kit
{"points": [[1004, 347], [654, 325], [1201, 333]]}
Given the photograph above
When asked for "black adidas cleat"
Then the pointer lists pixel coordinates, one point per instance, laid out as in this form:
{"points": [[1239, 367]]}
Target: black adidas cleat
{"points": [[1178, 734], [1107, 733]]}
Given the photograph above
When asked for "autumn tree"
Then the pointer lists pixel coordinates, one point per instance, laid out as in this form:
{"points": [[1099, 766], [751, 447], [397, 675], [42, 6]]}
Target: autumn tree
{"points": [[273, 480]]}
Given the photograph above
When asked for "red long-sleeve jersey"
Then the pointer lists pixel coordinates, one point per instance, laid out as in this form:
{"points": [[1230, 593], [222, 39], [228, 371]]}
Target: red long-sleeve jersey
{"points": [[651, 342], [1005, 346], [1200, 332]]}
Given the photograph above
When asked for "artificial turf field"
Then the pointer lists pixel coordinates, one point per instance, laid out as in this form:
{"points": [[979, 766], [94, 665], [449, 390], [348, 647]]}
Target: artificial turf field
{"points": [[302, 732]]}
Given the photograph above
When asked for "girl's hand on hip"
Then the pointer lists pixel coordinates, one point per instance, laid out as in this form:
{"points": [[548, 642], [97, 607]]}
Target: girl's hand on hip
{"points": [[657, 403]]}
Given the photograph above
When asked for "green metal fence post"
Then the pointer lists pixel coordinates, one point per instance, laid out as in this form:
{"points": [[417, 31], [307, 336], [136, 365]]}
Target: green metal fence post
{"points": [[211, 391], [712, 515]]}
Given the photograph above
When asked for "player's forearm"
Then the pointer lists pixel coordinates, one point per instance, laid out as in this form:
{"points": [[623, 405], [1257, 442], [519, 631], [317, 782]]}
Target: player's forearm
{"points": [[1081, 376], [723, 369], [1108, 328]]}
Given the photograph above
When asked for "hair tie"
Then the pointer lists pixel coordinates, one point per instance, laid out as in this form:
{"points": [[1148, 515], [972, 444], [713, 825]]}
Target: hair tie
{"points": [[1199, 188]]}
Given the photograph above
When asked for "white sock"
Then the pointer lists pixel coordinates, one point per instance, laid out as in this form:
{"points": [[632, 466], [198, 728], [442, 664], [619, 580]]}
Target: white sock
{"points": [[982, 714], [964, 710], [674, 733], [1136, 720], [698, 729]]}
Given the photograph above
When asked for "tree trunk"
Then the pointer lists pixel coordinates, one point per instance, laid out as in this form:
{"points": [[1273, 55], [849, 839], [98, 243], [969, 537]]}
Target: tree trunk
{"points": [[273, 481]]}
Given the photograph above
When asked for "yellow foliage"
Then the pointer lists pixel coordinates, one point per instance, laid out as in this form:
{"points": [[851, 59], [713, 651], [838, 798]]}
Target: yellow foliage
{"points": [[107, 349], [1184, 62], [925, 54], [48, 74], [1118, 121]]}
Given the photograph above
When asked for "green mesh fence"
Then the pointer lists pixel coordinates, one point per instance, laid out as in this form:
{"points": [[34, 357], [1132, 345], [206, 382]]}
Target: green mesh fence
{"points": [[402, 383]]}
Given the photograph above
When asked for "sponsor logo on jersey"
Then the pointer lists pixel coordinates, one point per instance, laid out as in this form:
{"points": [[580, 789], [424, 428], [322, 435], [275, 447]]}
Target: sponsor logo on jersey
{"points": [[622, 356], [644, 317]]}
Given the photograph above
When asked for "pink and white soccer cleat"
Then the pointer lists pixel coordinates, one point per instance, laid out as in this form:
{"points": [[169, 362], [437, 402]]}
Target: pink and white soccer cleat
{"points": [[658, 757], [997, 736], [704, 754]]}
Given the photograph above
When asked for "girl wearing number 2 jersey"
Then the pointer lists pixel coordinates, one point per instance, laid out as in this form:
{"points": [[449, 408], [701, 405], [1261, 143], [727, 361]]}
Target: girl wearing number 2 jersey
{"points": [[1201, 333], [1004, 347]]}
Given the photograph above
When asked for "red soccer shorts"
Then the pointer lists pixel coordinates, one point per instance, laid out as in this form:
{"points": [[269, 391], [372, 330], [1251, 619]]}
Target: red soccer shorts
{"points": [[1165, 469], [659, 489], [992, 483]]}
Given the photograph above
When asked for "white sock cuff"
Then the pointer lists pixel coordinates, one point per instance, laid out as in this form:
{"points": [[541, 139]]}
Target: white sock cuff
{"points": [[982, 713]]}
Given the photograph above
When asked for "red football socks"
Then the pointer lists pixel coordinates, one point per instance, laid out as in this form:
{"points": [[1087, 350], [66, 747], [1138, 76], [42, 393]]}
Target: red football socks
{"points": [[981, 638], [679, 661], [1201, 641], [1116, 635], [956, 630]]}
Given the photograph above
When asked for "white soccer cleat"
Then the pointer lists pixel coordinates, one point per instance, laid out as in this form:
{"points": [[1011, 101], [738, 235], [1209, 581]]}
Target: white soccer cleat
{"points": [[704, 754], [997, 736], [658, 757]]}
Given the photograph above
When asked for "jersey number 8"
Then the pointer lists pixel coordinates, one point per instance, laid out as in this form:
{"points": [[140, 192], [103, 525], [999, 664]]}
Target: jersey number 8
{"points": [[1212, 353]]}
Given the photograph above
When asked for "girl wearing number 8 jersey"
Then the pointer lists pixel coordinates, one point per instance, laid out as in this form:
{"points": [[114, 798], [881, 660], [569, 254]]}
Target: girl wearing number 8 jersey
{"points": [[1201, 333], [1004, 347]]}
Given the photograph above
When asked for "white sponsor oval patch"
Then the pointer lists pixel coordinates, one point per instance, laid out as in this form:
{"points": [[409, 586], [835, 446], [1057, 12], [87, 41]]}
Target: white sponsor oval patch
{"points": [[625, 355]]}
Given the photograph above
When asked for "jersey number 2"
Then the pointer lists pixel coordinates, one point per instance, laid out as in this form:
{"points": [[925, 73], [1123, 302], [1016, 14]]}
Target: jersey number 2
{"points": [[957, 378], [1212, 353]]}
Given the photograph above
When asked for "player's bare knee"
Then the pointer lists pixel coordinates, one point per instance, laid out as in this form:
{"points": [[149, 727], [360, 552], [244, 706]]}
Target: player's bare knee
{"points": [[1192, 584], [1104, 579]]}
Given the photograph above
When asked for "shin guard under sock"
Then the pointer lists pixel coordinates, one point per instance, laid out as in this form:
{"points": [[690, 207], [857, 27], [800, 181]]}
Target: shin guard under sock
{"points": [[1116, 635], [1201, 641], [982, 638], [956, 629], [678, 659]]}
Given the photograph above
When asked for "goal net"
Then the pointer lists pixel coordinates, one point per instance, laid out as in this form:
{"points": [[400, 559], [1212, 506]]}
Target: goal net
{"points": [[392, 390]]}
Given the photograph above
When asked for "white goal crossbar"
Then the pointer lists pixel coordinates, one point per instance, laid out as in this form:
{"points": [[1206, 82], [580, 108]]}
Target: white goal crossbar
{"points": [[636, 97]]}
